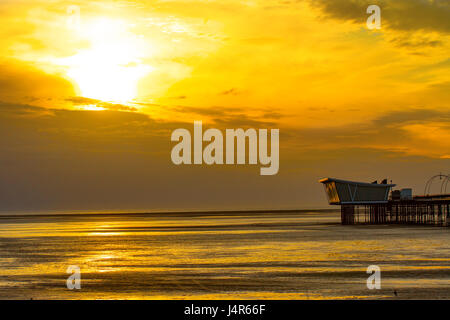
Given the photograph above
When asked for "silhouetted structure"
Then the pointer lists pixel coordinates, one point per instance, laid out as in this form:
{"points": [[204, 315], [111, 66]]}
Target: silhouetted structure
{"points": [[370, 203]]}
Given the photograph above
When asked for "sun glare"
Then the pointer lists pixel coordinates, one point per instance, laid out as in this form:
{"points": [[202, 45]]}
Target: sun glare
{"points": [[110, 69], [92, 107]]}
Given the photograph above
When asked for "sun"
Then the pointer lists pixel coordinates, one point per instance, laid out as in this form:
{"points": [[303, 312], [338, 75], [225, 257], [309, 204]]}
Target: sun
{"points": [[109, 70]]}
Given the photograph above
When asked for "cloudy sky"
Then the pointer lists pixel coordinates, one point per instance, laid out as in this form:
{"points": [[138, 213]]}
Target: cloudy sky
{"points": [[90, 92]]}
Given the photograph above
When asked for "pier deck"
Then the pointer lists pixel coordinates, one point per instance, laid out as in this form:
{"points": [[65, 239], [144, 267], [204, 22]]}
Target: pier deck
{"points": [[426, 212]]}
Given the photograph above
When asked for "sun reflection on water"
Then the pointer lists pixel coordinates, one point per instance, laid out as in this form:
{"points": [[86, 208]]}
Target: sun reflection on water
{"points": [[280, 257]]}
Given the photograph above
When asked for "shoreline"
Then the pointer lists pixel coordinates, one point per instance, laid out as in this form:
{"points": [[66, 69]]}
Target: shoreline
{"points": [[168, 213]]}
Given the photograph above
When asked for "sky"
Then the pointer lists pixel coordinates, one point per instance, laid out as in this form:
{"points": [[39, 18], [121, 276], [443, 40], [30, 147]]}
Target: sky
{"points": [[90, 92]]}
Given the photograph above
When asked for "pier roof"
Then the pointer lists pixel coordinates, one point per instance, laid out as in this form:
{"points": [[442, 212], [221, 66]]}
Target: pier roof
{"points": [[325, 180], [341, 192]]}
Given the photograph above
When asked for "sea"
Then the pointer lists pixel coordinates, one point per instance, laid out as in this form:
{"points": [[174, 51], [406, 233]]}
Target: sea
{"points": [[284, 255]]}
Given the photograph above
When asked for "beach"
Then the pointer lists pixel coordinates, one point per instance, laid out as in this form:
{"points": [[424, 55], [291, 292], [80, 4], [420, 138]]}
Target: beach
{"points": [[219, 255]]}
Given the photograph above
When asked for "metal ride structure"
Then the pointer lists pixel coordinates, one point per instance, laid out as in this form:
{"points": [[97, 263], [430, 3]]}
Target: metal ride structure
{"points": [[445, 180], [371, 203]]}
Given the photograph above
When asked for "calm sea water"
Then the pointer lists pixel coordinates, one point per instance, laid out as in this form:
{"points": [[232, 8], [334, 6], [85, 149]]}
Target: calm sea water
{"points": [[295, 255]]}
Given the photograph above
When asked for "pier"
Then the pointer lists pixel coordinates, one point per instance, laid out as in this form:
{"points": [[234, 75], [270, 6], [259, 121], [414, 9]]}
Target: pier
{"points": [[373, 203]]}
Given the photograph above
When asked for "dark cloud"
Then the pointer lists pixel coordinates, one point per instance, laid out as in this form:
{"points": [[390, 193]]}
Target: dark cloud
{"points": [[231, 117], [405, 15], [383, 133], [214, 111], [23, 82], [232, 91], [112, 160], [273, 115], [407, 42], [244, 121], [53, 159], [442, 87], [415, 115]]}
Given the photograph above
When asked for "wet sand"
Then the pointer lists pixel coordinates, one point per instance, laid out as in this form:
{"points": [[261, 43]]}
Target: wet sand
{"points": [[265, 255]]}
